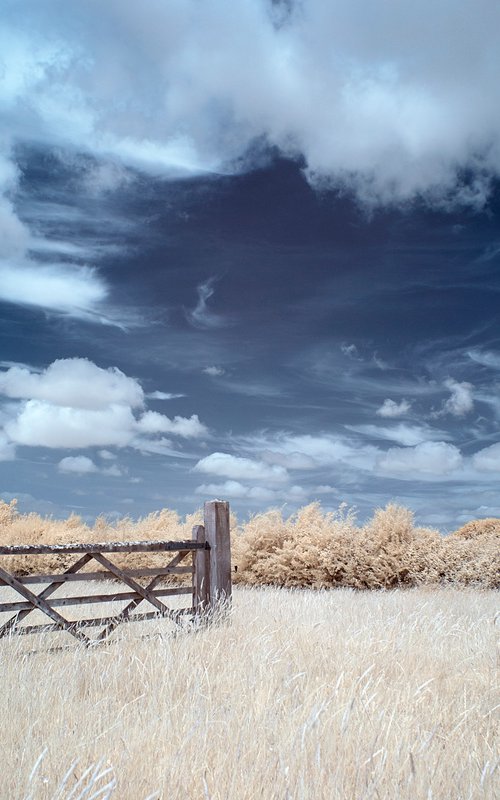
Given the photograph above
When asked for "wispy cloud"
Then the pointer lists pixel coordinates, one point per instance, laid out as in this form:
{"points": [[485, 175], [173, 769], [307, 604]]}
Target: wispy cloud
{"points": [[201, 316], [236, 491], [350, 350], [157, 395], [253, 387], [485, 357], [407, 435], [76, 292], [7, 448], [421, 456], [49, 252]]}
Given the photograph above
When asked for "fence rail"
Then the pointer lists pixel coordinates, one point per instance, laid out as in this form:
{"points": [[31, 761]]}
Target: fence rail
{"points": [[102, 547], [210, 571]]}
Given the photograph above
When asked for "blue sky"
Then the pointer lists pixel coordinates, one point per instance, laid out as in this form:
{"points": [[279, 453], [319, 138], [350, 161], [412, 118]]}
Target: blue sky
{"points": [[250, 250]]}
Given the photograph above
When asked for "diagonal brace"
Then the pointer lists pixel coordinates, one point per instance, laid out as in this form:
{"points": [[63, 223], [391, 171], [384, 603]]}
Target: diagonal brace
{"points": [[37, 601], [144, 592], [45, 593], [125, 613]]}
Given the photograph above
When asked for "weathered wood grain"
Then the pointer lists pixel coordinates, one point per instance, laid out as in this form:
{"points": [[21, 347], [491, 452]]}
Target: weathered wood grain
{"points": [[123, 616], [211, 579], [97, 622], [201, 571], [102, 575], [42, 605], [216, 518], [89, 599], [58, 580], [92, 547]]}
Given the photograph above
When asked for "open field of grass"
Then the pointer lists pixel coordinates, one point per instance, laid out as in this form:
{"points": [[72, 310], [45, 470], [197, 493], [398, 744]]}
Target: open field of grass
{"points": [[299, 694]]}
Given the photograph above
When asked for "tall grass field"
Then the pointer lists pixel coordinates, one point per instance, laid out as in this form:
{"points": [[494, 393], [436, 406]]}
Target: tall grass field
{"points": [[309, 687]]}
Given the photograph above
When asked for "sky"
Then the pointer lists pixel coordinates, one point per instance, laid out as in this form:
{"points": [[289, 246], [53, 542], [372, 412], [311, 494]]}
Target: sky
{"points": [[250, 250]]}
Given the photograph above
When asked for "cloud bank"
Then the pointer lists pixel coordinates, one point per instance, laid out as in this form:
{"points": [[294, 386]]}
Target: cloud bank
{"points": [[74, 404], [392, 99], [389, 101]]}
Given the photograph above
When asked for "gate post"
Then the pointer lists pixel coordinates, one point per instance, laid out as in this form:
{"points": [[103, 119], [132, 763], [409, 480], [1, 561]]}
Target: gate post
{"points": [[216, 517], [201, 572]]}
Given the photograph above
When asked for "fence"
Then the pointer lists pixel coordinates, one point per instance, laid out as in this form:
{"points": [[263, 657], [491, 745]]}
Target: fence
{"points": [[208, 551]]}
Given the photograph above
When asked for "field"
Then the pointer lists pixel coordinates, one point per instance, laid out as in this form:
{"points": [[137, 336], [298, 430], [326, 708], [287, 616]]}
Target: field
{"points": [[299, 694], [310, 687]]}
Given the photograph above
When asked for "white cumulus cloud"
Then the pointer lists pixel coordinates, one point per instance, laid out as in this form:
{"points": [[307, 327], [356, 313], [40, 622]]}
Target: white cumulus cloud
{"points": [[461, 400], [487, 460], [153, 422], [428, 458], [73, 403], [390, 408], [237, 468], [106, 455], [79, 465], [41, 424], [214, 371], [74, 382]]}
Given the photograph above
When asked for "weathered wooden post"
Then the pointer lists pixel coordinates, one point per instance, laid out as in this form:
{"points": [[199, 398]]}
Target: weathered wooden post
{"points": [[216, 517], [201, 572]]}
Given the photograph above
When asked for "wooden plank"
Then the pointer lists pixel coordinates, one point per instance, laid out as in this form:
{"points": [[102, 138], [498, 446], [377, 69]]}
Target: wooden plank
{"points": [[102, 575], [88, 599], [124, 614], [144, 593], [103, 547], [40, 603], [216, 516], [46, 593], [98, 622], [201, 572]]}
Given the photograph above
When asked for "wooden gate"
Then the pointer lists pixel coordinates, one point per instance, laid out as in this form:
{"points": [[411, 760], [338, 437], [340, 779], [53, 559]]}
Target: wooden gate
{"points": [[209, 567]]}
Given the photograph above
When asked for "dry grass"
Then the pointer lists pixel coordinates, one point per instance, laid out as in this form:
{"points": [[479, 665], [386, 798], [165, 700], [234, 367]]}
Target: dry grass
{"points": [[300, 694], [311, 548]]}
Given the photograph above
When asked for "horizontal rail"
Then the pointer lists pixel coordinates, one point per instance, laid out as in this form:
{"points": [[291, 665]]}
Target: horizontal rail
{"points": [[100, 547], [101, 575], [97, 598], [98, 622]]}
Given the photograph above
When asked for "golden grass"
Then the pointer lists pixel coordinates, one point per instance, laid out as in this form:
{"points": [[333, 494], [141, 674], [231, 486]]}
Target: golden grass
{"points": [[310, 548], [331, 695]]}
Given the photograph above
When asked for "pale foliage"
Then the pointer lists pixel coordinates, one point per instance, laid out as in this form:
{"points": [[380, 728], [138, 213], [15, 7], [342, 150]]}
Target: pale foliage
{"points": [[300, 694], [310, 548], [314, 548]]}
